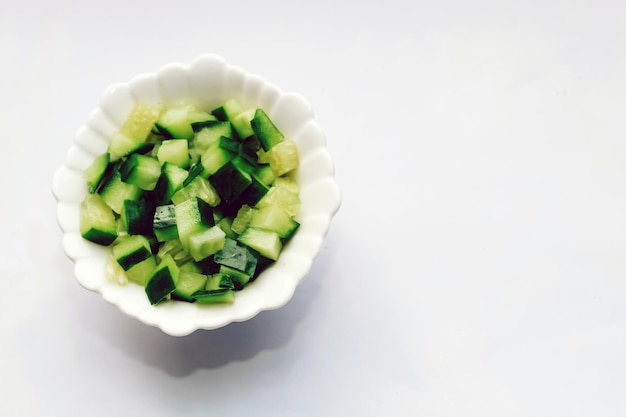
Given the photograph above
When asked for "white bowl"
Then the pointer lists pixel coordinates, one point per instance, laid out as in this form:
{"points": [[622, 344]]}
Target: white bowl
{"points": [[206, 82]]}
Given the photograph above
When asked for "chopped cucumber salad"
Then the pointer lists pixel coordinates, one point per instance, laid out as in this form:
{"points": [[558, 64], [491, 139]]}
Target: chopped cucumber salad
{"points": [[194, 204]]}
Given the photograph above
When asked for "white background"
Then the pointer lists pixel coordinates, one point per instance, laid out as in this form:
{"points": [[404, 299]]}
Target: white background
{"points": [[476, 267]]}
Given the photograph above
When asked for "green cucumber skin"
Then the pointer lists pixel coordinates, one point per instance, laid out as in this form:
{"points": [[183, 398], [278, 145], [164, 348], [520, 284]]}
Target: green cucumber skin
{"points": [[230, 181], [160, 285], [130, 260], [265, 130]]}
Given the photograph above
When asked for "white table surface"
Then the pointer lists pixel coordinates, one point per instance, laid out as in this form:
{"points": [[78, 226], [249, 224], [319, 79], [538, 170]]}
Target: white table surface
{"points": [[476, 267]]}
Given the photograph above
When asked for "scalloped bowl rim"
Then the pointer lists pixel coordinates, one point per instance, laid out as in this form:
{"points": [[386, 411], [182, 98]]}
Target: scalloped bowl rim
{"points": [[208, 81]]}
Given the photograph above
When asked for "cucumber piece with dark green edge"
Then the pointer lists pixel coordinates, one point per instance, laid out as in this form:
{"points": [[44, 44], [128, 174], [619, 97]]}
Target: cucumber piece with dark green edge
{"points": [[243, 164], [121, 145], [195, 170], [162, 281], [97, 221], [171, 180], [188, 283], [226, 224], [175, 250], [230, 181], [228, 111], [218, 280], [221, 296], [254, 192], [241, 124], [230, 144], [114, 191], [275, 219], [264, 174], [137, 217], [237, 256], [141, 270], [192, 216], [209, 135], [174, 151], [144, 148], [203, 243], [239, 278], [131, 250], [195, 117], [265, 242], [247, 153], [208, 266], [242, 219], [198, 187], [201, 124], [265, 130], [164, 223], [174, 123], [214, 158], [95, 171], [140, 170], [283, 157]]}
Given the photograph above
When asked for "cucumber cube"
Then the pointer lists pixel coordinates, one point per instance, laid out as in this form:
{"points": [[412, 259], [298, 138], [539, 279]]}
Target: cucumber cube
{"points": [[162, 281], [230, 181]]}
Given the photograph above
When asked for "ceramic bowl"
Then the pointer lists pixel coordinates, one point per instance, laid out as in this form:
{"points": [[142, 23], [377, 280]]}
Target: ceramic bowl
{"points": [[207, 82]]}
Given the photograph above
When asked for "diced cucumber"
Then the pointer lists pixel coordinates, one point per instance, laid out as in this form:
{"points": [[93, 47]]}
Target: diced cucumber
{"points": [[174, 123], [266, 242], [254, 192], [228, 143], [199, 118], [208, 135], [196, 205], [205, 243], [220, 296], [142, 171], [174, 249], [137, 217], [196, 170], [249, 154], [192, 216], [174, 151], [97, 221], [229, 181], [214, 158], [238, 278], [242, 219], [188, 284], [219, 280], [264, 174], [114, 191], [162, 282], [283, 157], [275, 219], [132, 250], [241, 123], [171, 180], [141, 120], [164, 223], [237, 256], [122, 145], [228, 111], [141, 271], [94, 173], [265, 130], [283, 198], [200, 188], [226, 224]]}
